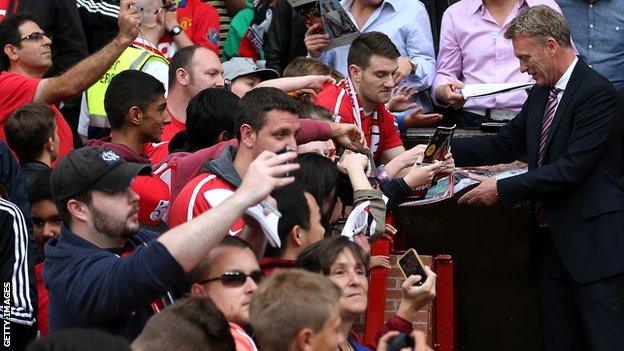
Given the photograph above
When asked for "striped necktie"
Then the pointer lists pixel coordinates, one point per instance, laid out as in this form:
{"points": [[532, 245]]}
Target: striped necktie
{"points": [[549, 115]]}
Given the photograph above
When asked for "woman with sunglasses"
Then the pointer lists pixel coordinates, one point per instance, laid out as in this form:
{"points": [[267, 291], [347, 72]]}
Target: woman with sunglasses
{"points": [[346, 264]]}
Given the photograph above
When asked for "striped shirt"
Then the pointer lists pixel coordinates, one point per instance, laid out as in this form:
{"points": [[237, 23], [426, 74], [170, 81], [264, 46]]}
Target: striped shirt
{"points": [[17, 267], [224, 20], [108, 9]]}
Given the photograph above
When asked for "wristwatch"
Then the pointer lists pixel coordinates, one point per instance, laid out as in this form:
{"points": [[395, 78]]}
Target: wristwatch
{"points": [[175, 31], [414, 63]]}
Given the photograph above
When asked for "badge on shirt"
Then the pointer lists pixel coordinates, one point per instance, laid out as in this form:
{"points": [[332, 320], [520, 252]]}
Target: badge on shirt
{"points": [[213, 36]]}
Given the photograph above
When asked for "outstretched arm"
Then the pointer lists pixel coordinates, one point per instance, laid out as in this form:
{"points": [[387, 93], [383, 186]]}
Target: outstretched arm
{"points": [[88, 71]]}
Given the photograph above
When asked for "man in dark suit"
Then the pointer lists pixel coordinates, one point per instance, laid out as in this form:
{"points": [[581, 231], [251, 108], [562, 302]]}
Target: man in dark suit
{"points": [[570, 129]]}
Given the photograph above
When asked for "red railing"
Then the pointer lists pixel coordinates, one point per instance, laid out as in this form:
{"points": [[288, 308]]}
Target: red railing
{"points": [[444, 337]]}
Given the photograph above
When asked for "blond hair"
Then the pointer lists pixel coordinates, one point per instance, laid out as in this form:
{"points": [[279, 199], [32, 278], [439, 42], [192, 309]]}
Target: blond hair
{"points": [[288, 302]]}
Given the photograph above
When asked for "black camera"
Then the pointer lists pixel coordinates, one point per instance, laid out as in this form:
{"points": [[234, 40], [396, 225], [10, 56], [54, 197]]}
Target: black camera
{"points": [[401, 341]]}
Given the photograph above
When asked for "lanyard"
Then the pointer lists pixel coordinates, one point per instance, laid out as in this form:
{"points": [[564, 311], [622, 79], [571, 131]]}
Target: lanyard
{"points": [[355, 105], [149, 48]]}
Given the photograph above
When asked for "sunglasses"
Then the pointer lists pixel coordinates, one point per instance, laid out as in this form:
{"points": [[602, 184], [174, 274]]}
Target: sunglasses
{"points": [[236, 278], [36, 36]]}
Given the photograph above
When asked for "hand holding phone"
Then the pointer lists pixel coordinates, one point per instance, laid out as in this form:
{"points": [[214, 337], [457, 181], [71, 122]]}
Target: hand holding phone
{"points": [[284, 150], [410, 264]]}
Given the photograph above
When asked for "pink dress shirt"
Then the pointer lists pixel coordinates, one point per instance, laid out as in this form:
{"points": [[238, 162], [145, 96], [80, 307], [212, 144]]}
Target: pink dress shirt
{"points": [[473, 49]]}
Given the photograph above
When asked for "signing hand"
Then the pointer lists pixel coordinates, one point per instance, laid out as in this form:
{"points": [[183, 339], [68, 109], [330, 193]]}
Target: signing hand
{"points": [[485, 194]]}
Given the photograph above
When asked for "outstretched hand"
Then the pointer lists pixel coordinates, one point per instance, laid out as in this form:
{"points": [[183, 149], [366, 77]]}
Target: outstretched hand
{"points": [[401, 99]]}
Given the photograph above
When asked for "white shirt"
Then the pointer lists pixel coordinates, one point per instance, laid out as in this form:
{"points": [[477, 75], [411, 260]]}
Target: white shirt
{"points": [[562, 83], [406, 23]]}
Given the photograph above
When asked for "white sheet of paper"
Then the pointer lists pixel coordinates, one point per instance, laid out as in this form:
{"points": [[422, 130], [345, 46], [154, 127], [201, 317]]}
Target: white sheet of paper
{"points": [[475, 91], [268, 223]]}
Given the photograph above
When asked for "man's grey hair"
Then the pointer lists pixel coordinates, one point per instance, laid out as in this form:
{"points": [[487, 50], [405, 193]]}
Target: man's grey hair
{"points": [[540, 23]]}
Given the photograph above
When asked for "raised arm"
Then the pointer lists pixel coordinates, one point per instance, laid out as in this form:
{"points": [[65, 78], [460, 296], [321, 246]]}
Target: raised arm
{"points": [[88, 71], [190, 242]]}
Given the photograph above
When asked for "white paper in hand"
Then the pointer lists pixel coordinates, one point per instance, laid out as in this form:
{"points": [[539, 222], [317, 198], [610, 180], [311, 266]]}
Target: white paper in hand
{"points": [[475, 91], [357, 222], [268, 223]]}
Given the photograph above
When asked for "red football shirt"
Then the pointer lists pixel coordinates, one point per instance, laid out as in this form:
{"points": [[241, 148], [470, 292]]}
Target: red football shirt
{"points": [[17, 90], [380, 128], [191, 201], [200, 22], [158, 151]]}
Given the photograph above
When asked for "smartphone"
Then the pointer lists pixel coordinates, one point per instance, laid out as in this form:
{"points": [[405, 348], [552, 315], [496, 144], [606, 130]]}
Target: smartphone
{"points": [[410, 264], [284, 150]]}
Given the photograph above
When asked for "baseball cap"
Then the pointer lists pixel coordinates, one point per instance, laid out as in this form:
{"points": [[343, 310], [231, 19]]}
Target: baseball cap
{"points": [[93, 168], [241, 66], [154, 199]]}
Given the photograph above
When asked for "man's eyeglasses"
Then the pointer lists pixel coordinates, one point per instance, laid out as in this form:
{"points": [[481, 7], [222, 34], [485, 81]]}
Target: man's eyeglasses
{"points": [[236, 278], [36, 36]]}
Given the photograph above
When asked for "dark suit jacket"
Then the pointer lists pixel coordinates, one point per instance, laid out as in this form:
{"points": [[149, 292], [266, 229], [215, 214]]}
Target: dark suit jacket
{"points": [[581, 181]]}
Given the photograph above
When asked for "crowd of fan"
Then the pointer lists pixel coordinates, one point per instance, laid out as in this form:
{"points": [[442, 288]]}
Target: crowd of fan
{"points": [[138, 163]]}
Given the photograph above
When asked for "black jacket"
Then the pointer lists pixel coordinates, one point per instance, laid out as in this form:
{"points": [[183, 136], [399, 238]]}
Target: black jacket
{"points": [[17, 265], [580, 181], [99, 21], [91, 287], [284, 39]]}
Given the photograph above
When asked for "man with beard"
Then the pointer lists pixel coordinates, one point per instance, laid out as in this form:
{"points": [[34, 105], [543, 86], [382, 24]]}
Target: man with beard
{"points": [[102, 271]]}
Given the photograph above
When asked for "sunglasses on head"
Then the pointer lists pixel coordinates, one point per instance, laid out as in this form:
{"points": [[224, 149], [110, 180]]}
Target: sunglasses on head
{"points": [[36, 36], [236, 278]]}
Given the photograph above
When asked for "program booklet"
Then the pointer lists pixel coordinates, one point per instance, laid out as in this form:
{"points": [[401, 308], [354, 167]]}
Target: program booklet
{"points": [[439, 145], [447, 186], [336, 23]]}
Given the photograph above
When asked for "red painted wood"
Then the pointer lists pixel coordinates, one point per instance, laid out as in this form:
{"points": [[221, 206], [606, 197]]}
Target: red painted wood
{"points": [[377, 290], [444, 309]]}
